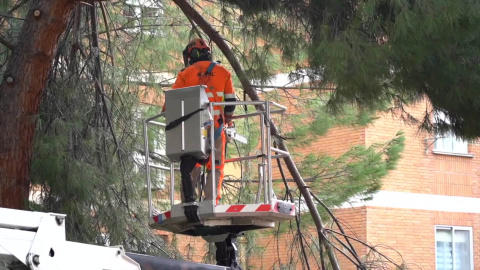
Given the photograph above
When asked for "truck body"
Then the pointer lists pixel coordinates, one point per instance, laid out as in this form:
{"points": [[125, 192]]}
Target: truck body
{"points": [[35, 240]]}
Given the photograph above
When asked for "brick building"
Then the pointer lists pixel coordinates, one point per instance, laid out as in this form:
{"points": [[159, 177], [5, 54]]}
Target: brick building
{"points": [[428, 209], [427, 214]]}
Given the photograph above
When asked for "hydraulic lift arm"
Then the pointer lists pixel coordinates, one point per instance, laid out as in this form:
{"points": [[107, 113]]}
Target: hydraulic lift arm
{"points": [[34, 240]]}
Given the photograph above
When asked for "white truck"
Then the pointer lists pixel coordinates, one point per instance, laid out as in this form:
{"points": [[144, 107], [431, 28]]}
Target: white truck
{"points": [[35, 240]]}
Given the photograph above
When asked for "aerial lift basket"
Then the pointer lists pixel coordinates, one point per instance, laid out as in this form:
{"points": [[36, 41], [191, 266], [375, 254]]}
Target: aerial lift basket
{"points": [[189, 138]]}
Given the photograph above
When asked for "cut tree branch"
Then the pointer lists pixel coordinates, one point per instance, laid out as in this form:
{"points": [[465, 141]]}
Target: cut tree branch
{"points": [[97, 72], [214, 35]]}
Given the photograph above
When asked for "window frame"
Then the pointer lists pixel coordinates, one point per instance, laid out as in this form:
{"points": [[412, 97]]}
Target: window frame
{"points": [[439, 150], [139, 8], [454, 228], [439, 139]]}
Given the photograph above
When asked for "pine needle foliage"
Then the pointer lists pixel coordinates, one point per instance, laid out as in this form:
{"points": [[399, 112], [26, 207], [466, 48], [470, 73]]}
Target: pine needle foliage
{"points": [[88, 146], [354, 175], [88, 138], [376, 51]]}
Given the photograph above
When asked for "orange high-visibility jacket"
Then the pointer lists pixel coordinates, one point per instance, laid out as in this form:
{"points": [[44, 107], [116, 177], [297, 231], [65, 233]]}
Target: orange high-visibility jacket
{"points": [[219, 81]]}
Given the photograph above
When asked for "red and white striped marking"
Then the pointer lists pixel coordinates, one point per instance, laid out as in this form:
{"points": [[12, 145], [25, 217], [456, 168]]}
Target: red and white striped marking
{"points": [[239, 208], [162, 217], [236, 208]]}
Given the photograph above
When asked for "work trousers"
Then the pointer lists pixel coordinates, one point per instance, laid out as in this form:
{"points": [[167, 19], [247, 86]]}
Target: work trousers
{"points": [[191, 174]]}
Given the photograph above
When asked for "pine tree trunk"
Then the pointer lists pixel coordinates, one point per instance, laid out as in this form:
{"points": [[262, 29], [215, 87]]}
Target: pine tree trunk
{"points": [[20, 94]]}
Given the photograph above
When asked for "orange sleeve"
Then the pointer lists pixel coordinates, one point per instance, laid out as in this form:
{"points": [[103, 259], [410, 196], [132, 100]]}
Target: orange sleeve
{"points": [[229, 95], [180, 81], [229, 90]]}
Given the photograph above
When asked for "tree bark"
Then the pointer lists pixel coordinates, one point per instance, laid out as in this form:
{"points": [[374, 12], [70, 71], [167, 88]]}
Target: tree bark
{"points": [[20, 94], [190, 12]]}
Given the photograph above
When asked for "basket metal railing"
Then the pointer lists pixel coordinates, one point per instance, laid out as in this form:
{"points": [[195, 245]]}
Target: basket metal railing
{"points": [[264, 111]]}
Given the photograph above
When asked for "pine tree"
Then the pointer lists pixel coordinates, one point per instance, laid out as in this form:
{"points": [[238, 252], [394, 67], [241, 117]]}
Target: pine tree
{"points": [[87, 129], [89, 141], [24, 78], [378, 51]]}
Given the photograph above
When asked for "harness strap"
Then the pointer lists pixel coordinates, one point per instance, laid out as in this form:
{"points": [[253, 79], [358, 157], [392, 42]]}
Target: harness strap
{"points": [[218, 132], [184, 118], [203, 80], [210, 68]]}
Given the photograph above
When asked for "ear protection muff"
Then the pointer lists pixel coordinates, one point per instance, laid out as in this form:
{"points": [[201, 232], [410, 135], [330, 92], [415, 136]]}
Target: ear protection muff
{"points": [[195, 50], [185, 56]]}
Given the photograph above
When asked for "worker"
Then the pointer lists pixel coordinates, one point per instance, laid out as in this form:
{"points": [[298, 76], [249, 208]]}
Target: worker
{"points": [[201, 70]]}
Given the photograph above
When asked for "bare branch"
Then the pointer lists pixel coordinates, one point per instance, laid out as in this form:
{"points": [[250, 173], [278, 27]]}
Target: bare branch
{"points": [[7, 43], [97, 72], [214, 35], [109, 40], [365, 244], [194, 27]]}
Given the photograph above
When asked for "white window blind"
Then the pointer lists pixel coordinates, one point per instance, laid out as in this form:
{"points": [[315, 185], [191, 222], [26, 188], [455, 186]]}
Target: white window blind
{"points": [[448, 142], [453, 248]]}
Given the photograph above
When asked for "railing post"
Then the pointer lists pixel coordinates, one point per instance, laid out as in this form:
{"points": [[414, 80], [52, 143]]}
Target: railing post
{"points": [[263, 177], [147, 167], [260, 182], [172, 183], [269, 153], [212, 154], [183, 126]]}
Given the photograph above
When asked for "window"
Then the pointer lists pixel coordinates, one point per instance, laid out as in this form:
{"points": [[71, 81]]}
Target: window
{"points": [[454, 248], [448, 143], [143, 15]]}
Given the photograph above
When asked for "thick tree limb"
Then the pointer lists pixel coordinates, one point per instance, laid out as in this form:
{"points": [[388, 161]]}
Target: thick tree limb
{"points": [[214, 35], [23, 83], [297, 216], [6, 43]]}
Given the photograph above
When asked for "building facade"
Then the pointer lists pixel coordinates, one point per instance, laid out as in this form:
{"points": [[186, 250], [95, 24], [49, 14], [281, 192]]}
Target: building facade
{"points": [[426, 216], [427, 213]]}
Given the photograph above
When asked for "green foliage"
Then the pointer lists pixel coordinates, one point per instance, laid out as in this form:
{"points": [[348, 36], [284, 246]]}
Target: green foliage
{"points": [[88, 139], [11, 22], [87, 162], [316, 119], [384, 51], [358, 172], [83, 174]]}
